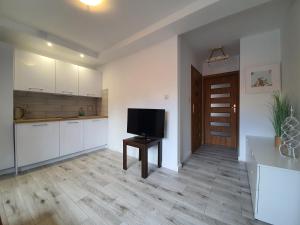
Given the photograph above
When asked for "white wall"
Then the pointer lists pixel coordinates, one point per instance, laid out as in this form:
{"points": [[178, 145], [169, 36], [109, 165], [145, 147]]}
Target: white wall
{"points": [[6, 107], [230, 65], [256, 50], [186, 58], [291, 56], [146, 79]]}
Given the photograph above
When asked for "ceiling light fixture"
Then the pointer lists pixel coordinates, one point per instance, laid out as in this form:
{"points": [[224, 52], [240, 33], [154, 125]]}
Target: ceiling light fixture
{"points": [[49, 44], [91, 2], [82, 55], [221, 56]]}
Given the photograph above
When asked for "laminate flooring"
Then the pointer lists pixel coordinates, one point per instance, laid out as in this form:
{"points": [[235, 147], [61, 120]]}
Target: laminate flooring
{"points": [[211, 189]]}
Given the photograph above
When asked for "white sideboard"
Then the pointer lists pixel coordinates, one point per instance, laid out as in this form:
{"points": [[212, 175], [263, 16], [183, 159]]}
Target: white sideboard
{"points": [[40, 142], [274, 183]]}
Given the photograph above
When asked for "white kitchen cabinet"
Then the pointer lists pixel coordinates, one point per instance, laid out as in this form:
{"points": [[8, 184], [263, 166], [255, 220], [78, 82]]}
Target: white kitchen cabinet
{"points": [[66, 78], [36, 142], [71, 137], [274, 183], [95, 133], [90, 82], [34, 72]]}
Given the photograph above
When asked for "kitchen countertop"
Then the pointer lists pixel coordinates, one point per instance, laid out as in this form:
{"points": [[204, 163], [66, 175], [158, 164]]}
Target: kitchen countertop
{"points": [[53, 119]]}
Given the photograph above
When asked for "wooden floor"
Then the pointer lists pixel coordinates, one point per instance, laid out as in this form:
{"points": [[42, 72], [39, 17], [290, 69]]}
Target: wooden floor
{"points": [[211, 188]]}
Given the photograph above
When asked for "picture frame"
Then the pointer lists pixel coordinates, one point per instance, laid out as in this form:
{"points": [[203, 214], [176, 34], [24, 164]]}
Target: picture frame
{"points": [[263, 79]]}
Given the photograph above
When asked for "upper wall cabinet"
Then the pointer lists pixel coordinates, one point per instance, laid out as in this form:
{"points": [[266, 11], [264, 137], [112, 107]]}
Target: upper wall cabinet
{"points": [[90, 82], [34, 72], [66, 78]]}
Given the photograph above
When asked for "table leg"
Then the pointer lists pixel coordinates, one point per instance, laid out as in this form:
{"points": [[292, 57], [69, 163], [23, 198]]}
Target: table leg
{"points": [[144, 152], [140, 157], [124, 156], [159, 154]]}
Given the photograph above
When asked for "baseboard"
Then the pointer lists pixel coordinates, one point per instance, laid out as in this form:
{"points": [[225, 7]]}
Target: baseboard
{"points": [[185, 159], [60, 159], [7, 171]]}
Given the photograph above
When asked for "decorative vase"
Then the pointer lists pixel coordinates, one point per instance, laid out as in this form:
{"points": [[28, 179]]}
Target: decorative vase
{"points": [[277, 141]]}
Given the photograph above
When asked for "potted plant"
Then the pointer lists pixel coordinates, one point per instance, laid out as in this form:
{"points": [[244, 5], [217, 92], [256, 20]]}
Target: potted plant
{"points": [[280, 111]]}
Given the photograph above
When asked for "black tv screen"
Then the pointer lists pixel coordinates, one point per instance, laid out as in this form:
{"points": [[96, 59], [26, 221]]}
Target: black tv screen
{"points": [[146, 122]]}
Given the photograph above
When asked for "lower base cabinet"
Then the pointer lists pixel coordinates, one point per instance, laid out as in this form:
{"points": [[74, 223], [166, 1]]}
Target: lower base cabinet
{"points": [[37, 142], [95, 133], [71, 137]]}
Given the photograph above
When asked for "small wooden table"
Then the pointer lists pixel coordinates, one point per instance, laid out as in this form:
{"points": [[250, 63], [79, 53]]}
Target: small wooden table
{"points": [[143, 145]]}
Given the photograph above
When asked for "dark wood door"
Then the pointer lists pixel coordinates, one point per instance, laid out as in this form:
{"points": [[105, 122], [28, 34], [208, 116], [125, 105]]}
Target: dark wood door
{"points": [[221, 109], [196, 108]]}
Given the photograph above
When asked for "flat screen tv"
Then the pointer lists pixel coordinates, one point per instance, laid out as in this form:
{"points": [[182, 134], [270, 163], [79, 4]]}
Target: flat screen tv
{"points": [[146, 122]]}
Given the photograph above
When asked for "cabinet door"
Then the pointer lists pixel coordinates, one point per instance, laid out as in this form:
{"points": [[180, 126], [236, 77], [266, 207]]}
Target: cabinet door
{"points": [[90, 82], [95, 133], [37, 142], [66, 78], [71, 137], [34, 72], [279, 196]]}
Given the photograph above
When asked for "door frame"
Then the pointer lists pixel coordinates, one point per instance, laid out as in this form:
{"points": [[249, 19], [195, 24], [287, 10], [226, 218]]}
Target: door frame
{"points": [[237, 73], [201, 119]]}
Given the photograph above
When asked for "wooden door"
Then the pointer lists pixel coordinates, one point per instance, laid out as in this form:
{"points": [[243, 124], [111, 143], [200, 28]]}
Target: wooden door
{"points": [[196, 108], [221, 106]]}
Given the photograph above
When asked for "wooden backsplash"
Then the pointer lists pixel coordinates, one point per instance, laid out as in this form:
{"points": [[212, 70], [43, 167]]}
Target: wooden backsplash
{"points": [[42, 105]]}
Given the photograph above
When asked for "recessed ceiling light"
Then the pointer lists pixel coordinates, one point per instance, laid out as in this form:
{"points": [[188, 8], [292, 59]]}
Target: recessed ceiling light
{"points": [[82, 55], [49, 44], [91, 2]]}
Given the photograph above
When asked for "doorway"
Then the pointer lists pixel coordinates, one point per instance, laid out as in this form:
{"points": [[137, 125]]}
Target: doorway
{"points": [[196, 108], [221, 109]]}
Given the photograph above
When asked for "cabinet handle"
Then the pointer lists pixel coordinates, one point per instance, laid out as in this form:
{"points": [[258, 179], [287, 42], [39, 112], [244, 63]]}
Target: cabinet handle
{"points": [[40, 125], [38, 89], [67, 92], [73, 122]]}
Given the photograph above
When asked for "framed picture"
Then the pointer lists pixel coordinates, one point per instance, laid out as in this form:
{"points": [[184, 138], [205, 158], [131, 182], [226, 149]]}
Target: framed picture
{"points": [[263, 79]]}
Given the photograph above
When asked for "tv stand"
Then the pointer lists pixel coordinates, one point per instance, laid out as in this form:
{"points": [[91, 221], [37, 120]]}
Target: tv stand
{"points": [[143, 144], [142, 138]]}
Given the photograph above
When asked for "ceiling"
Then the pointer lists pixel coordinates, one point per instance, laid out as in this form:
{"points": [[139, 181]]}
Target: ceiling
{"points": [[113, 29], [114, 21], [228, 31]]}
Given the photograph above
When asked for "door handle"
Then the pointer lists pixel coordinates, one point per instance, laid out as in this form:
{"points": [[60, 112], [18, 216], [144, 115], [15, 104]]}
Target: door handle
{"points": [[193, 108], [234, 108]]}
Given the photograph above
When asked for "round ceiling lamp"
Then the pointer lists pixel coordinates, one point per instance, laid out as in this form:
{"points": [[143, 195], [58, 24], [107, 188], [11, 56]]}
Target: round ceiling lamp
{"points": [[91, 2]]}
